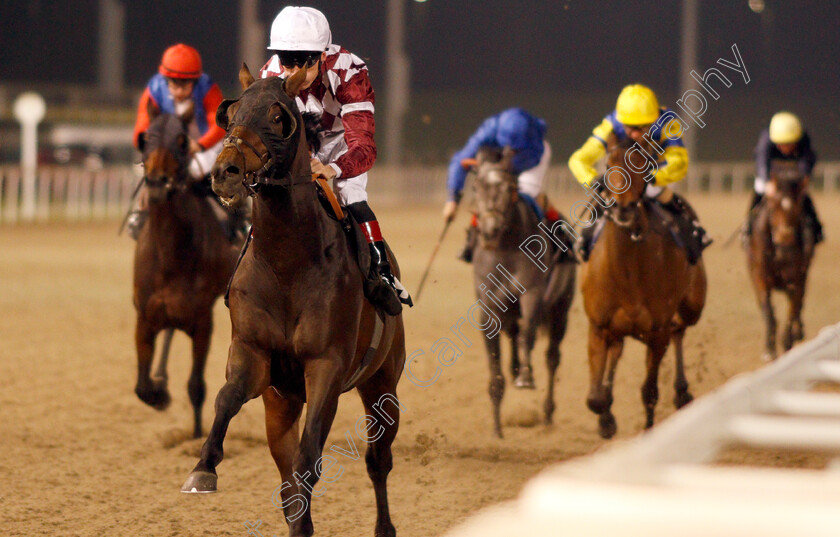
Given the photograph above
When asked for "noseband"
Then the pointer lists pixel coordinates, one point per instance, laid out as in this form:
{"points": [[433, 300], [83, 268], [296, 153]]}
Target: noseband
{"points": [[253, 178], [628, 225]]}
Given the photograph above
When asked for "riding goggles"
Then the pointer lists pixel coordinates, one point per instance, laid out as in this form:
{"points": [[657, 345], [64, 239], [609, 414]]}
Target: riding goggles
{"points": [[298, 58]]}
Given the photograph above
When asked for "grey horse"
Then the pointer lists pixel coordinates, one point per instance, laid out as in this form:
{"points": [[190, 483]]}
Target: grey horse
{"points": [[531, 297]]}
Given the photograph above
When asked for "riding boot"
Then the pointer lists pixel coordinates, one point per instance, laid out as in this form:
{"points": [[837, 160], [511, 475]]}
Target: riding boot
{"points": [[813, 219], [135, 222], [381, 286], [583, 245], [466, 254], [695, 237]]}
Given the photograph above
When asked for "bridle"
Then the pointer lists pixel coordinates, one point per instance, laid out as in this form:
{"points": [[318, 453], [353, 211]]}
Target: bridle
{"points": [[169, 183], [502, 215], [627, 225], [250, 179]]}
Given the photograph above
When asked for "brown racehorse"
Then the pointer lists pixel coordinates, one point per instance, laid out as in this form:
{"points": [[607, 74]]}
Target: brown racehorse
{"points": [[505, 221], [302, 328], [637, 283], [779, 252], [182, 263]]}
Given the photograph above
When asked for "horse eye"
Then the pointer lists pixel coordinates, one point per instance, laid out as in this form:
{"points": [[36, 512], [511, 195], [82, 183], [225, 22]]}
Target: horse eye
{"points": [[276, 118]]}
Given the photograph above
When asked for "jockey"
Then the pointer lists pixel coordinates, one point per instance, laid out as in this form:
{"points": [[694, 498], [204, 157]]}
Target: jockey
{"points": [[337, 89], [523, 133], [179, 85], [638, 115], [784, 140]]}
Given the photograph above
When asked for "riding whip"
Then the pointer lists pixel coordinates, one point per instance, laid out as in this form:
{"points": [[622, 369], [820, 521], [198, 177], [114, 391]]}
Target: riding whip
{"points": [[431, 260]]}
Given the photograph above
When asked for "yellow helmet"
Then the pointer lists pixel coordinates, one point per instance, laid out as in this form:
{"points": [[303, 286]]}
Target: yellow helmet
{"points": [[785, 128], [637, 105]]}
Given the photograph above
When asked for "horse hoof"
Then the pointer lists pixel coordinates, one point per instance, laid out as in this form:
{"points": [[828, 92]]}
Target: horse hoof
{"points": [[607, 426], [682, 399], [525, 380], [157, 399], [200, 482], [386, 530]]}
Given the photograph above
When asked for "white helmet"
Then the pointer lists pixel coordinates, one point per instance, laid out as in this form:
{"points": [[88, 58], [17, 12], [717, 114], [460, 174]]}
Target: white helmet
{"points": [[785, 128], [300, 28]]}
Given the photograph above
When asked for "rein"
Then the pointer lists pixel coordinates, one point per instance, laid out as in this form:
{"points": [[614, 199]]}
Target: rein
{"points": [[252, 180]]}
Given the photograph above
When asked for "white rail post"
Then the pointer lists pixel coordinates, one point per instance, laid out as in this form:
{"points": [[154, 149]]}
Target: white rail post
{"points": [[29, 109]]}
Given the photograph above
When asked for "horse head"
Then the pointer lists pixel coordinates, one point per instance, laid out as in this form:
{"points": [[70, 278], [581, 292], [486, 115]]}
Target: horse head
{"points": [[264, 130], [627, 168], [495, 189], [785, 203], [165, 147]]}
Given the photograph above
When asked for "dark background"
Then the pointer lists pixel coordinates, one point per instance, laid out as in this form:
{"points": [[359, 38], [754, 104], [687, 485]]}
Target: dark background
{"points": [[564, 60]]}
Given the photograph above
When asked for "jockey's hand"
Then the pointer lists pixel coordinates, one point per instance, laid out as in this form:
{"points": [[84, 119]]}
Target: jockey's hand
{"points": [[770, 188], [195, 147], [449, 210], [318, 168]]}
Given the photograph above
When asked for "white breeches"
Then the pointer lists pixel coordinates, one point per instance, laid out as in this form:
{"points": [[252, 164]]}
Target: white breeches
{"points": [[351, 189], [531, 181], [202, 163]]}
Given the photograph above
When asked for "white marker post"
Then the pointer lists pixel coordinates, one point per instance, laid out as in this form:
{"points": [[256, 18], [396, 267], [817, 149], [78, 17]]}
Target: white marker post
{"points": [[29, 109]]}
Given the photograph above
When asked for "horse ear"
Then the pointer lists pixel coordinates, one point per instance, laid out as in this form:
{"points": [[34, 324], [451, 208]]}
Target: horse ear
{"points": [[245, 76], [141, 141], [294, 83], [222, 116], [189, 114], [152, 110]]}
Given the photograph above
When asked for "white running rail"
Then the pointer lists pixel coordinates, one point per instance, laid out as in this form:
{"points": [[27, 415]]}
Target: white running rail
{"points": [[73, 193], [665, 482]]}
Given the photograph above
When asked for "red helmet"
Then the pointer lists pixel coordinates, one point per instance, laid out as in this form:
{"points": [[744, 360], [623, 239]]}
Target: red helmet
{"points": [[180, 61]]}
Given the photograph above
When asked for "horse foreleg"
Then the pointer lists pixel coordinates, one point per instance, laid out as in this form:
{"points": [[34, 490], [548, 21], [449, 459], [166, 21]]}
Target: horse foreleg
{"points": [[195, 386], [527, 337], [656, 347], [248, 376], [151, 391], [323, 386], [681, 396], [770, 324], [794, 331], [385, 412], [513, 334], [603, 357], [161, 369], [552, 360], [281, 428], [497, 382]]}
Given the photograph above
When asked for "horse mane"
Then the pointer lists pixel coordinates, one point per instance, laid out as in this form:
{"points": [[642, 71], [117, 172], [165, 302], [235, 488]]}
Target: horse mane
{"points": [[312, 128]]}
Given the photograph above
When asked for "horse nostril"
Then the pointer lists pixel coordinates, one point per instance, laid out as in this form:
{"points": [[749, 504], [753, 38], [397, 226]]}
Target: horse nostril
{"points": [[232, 170]]}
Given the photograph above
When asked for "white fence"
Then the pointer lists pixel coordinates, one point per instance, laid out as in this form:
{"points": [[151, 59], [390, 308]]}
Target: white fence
{"points": [[662, 483], [69, 193]]}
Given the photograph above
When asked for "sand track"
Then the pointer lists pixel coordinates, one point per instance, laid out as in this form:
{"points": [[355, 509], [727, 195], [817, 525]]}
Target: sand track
{"points": [[83, 456]]}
